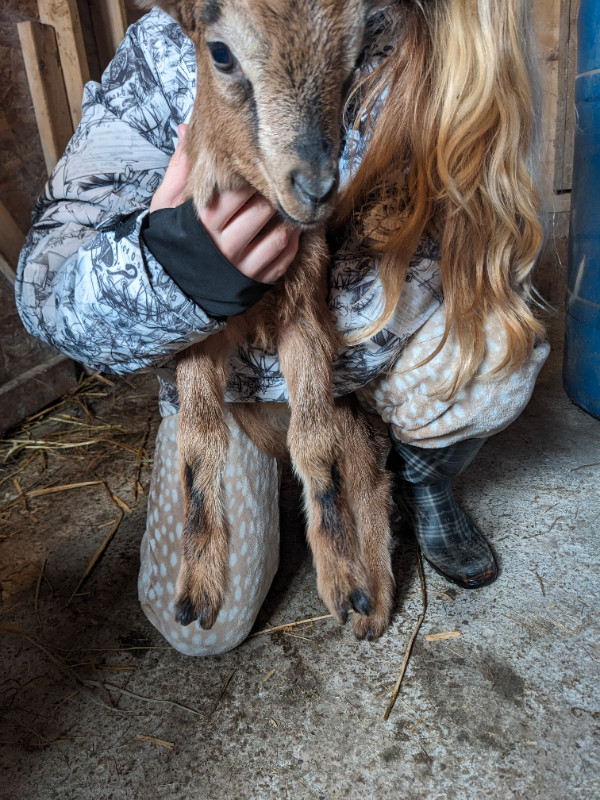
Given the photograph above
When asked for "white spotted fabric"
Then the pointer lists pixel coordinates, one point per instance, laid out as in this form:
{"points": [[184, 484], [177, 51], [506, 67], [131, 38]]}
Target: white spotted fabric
{"points": [[410, 397], [252, 492]]}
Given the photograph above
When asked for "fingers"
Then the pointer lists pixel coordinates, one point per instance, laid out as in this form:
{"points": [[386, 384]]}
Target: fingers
{"points": [[270, 256], [242, 223], [170, 193], [250, 234], [234, 218]]}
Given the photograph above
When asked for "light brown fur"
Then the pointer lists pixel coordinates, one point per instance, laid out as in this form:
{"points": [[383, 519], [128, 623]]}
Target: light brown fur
{"points": [[296, 57]]}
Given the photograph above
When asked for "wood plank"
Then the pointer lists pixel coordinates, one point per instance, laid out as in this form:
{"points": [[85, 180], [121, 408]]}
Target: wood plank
{"points": [[47, 87], [117, 19], [559, 136], [37, 387], [63, 15], [570, 88], [7, 270], [565, 124], [110, 23], [546, 17], [11, 239]]}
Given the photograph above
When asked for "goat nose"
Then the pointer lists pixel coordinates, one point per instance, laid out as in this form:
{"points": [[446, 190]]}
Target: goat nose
{"points": [[312, 189]]}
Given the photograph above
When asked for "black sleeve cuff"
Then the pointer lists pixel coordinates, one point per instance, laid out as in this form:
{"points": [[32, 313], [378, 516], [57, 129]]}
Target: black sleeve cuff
{"points": [[178, 241]]}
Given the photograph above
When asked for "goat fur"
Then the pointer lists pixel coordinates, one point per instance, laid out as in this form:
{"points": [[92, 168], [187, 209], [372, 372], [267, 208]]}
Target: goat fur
{"points": [[277, 116]]}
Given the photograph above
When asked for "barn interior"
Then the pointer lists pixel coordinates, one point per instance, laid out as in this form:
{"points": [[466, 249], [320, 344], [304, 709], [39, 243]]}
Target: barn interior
{"points": [[488, 692]]}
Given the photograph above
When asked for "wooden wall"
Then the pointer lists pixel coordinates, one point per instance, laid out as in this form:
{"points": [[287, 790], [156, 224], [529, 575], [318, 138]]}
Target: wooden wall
{"points": [[22, 170], [555, 40]]}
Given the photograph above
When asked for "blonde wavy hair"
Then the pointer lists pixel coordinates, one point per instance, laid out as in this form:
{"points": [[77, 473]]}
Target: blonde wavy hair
{"points": [[455, 140]]}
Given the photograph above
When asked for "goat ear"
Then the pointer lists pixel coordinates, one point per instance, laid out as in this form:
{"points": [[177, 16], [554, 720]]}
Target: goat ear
{"points": [[180, 10]]}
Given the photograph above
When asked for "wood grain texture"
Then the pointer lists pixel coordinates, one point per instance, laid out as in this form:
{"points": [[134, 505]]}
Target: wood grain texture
{"points": [[11, 237], [63, 15], [546, 17], [565, 113], [47, 87], [109, 18], [35, 388]]}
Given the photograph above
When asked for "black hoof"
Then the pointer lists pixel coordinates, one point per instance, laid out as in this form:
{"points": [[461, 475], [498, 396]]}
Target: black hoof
{"points": [[184, 611], [206, 620], [344, 615], [361, 602], [368, 635]]}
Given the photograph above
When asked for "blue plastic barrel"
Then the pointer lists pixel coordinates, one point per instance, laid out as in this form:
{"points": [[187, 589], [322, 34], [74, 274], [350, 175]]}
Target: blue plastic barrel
{"points": [[581, 365]]}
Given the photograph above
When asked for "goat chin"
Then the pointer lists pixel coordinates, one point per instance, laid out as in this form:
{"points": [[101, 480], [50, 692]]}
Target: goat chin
{"points": [[272, 119]]}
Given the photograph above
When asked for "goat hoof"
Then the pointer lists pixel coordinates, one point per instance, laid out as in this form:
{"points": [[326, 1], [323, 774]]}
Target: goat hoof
{"points": [[361, 602], [207, 618], [184, 611], [369, 628]]}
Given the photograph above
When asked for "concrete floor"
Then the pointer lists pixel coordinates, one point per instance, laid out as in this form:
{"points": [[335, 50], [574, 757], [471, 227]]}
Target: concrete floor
{"points": [[507, 710]]}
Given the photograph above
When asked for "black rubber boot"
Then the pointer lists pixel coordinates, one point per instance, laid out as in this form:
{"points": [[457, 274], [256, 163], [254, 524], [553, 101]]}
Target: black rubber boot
{"points": [[448, 539]]}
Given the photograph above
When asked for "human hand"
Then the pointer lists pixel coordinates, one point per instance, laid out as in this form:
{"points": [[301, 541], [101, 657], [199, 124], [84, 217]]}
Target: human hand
{"points": [[171, 192], [242, 223]]}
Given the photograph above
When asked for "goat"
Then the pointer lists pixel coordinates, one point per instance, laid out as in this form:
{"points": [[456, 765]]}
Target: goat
{"points": [[271, 80]]}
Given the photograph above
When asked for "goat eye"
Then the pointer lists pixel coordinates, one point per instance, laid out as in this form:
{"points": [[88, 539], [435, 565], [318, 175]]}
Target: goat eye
{"points": [[222, 57]]}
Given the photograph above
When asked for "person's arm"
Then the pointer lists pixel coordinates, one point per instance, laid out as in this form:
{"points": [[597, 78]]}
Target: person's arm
{"points": [[87, 283]]}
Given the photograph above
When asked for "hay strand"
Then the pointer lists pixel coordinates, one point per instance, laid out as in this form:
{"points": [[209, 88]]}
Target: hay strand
{"points": [[441, 637], [290, 625], [221, 693], [37, 592], [97, 555], [141, 452], [12, 630], [120, 504], [67, 487], [411, 641], [154, 740]]}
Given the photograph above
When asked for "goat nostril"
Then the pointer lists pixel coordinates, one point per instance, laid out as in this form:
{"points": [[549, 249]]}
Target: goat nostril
{"points": [[312, 189]]}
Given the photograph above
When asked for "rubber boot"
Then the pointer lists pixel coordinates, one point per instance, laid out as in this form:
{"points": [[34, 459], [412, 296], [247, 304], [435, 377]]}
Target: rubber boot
{"points": [[448, 539]]}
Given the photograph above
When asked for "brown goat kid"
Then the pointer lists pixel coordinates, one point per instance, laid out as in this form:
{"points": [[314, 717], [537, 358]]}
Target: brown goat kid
{"points": [[271, 78]]}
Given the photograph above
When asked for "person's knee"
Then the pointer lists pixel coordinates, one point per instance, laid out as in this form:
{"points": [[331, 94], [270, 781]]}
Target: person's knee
{"points": [[232, 627], [212, 644]]}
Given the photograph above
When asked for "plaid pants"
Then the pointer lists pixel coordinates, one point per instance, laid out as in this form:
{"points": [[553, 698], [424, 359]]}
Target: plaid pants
{"points": [[446, 535]]}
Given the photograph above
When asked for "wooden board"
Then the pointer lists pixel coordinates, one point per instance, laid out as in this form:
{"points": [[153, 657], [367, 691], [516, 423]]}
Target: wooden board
{"points": [[565, 116], [37, 387], [110, 23], [11, 239], [47, 87], [8, 271], [63, 15], [22, 168], [116, 21], [32, 374], [546, 16]]}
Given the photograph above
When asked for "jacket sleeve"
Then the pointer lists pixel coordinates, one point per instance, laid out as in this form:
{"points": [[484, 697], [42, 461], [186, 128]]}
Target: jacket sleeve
{"points": [[86, 283]]}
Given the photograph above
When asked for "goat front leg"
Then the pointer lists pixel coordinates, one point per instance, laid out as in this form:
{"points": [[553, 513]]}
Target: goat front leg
{"points": [[202, 440], [314, 440], [369, 492]]}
